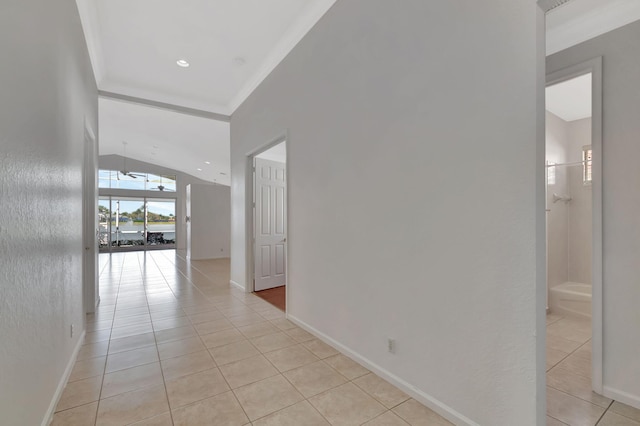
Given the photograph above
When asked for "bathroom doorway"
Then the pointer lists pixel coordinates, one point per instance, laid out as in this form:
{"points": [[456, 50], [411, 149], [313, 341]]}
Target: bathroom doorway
{"points": [[574, 239]]}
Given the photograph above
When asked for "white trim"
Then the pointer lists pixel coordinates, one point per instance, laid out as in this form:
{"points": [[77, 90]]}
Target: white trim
{"points": [[48, 418], [238, 285], [623, 397], [89, 20], [593, 66], [301, 27], [250, 213], [250, 199], [579, 21], [420, 396]]}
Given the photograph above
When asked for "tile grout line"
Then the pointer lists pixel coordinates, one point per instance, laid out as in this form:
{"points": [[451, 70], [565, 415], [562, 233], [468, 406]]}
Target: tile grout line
{"points": [[605, 412], [109, 344], [164, 382]]}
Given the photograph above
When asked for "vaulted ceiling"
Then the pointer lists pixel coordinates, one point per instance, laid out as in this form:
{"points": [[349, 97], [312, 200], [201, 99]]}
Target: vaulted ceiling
{"points": [[148, 100]]}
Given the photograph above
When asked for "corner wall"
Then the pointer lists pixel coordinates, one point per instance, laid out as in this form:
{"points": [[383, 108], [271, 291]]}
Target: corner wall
{"points": [[621, 203], [47, 89], [415, 161]]}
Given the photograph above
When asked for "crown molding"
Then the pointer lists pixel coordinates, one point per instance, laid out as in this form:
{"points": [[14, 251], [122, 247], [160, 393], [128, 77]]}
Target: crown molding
{"points": [[91, 28], [580, 20]]}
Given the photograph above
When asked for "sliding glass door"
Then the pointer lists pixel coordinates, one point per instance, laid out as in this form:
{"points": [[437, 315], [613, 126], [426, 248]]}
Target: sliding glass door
{"points": [[161, 222], [136, 223]]}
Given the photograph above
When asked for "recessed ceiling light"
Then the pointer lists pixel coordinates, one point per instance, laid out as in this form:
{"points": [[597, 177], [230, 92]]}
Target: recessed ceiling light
{"points": [[207, 162], [182, 63], [199, 170]]}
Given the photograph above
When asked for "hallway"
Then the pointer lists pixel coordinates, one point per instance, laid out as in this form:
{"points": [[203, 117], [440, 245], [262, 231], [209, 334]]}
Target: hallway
{"points": [[172, 344]]}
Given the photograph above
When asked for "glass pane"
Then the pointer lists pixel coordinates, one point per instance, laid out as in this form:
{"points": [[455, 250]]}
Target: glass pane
{"points": [[104, 178], [131, 180], [161, 183], [161, 222], [127, 224]]}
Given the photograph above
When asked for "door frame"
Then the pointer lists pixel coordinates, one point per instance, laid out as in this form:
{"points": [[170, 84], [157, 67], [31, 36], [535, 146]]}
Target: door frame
{"points": [[90, 231], [593, 66], [250, 214]]}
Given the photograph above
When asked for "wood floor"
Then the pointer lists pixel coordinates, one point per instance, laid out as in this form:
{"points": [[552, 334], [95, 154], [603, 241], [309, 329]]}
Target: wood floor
{"points": [[276, 296]]}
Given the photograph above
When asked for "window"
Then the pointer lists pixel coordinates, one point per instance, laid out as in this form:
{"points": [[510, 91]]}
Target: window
{"points": [[134, 181], [587, 165], [551, 173]]}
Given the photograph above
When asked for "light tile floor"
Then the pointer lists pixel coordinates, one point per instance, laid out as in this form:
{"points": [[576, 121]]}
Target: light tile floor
{"points": [[173, 344], [570, 400]]}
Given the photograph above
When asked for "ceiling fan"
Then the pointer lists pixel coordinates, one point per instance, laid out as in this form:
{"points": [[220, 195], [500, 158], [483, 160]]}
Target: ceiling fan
{"points": [[162, 188], [124, 170]]}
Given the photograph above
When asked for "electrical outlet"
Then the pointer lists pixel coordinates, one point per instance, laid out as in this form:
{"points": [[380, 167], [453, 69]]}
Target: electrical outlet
{"points": [[391, 345], [71, 330]]}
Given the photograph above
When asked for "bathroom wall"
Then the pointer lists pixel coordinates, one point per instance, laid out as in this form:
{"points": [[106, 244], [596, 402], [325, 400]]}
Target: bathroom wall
{"points": [[580, 208], [568, 224], [557, 141]]}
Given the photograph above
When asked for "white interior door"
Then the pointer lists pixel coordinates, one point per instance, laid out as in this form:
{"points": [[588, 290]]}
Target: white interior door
{"points": [[270, 224]]}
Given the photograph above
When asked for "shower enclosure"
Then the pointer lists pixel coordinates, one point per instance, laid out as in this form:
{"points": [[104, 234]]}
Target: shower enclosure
{"points": [[569, 236]]}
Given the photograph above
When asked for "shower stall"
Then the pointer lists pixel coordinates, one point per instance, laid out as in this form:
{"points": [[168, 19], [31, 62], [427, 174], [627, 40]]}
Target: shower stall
{"points": [[569, 236]]}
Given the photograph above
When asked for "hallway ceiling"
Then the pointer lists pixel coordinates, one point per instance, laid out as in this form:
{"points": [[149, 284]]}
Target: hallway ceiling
{"points": [[178, 141], [231, 46]]}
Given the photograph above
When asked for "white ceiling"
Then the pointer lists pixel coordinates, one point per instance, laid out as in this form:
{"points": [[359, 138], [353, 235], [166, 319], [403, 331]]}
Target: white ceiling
{"points": [[580, 20], [231, 45], [178, 141], [571, 99]]}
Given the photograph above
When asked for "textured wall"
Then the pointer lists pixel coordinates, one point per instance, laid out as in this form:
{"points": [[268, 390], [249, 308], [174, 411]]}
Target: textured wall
{"points": [[620, 53], [46, 91], [415, 199]]}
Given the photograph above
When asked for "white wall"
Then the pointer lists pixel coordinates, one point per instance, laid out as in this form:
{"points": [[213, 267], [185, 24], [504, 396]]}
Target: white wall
{"points": [[210, 221], [568, 224], [47, 90], [557, 140], [442, 257], [581, 206], [621, 203], [114, 162]]}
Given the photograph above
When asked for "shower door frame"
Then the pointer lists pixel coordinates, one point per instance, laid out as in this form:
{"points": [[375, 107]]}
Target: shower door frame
{"points": [[593, 66]]}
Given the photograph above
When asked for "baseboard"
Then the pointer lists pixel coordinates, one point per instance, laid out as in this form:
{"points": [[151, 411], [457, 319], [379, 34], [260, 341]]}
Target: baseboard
{"points": [[427, 400], [620, 396], [48, 418], [235, 284]]}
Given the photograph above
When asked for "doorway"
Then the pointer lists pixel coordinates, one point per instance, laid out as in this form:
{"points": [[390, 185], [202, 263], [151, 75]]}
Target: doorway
{"points": [[574, 238], [270, 224]]}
